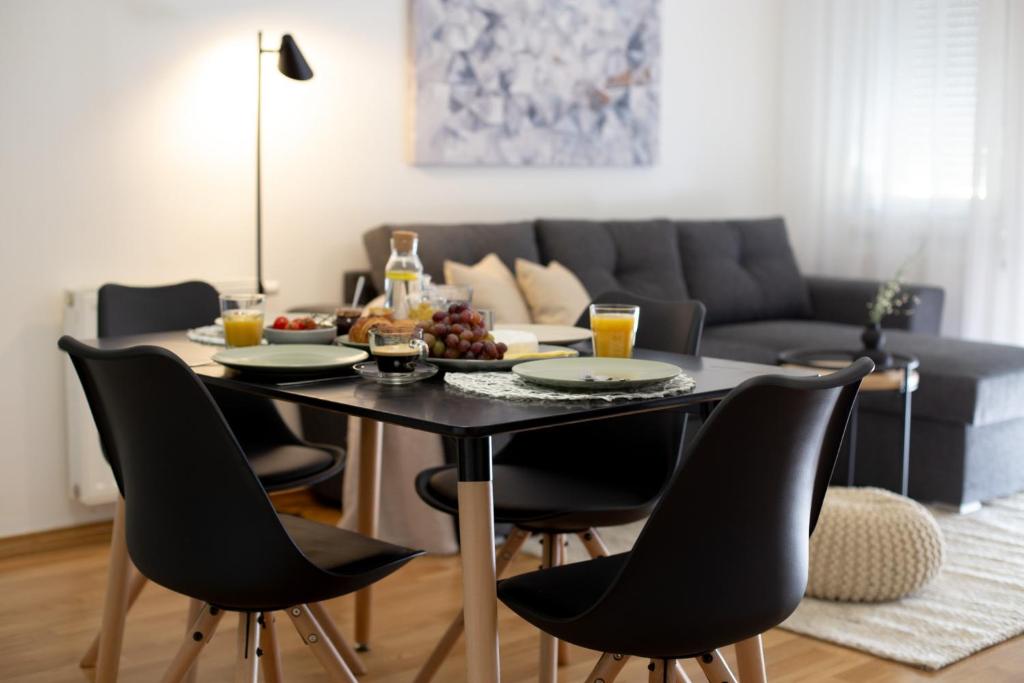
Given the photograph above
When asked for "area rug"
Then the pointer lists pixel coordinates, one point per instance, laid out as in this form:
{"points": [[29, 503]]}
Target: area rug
{"points": [[976, 601]]}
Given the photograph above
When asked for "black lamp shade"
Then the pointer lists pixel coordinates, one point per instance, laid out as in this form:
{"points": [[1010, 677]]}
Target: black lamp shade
{"points": [[290, 61]]}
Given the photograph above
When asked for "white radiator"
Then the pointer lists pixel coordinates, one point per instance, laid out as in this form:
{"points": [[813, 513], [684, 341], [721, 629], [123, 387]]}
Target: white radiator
{"points": [[90, 479]]}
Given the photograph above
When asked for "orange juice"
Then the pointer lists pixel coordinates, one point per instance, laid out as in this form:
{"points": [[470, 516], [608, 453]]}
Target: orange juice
{"points": [[243, 328], [613, 334]]}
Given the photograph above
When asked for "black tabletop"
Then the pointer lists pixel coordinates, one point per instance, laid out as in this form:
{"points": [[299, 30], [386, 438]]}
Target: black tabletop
{"points": [[432, 406], [829, 359]]}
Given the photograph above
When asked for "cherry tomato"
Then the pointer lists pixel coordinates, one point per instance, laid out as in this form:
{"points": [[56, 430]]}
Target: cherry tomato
{"points": [[280, 322]]}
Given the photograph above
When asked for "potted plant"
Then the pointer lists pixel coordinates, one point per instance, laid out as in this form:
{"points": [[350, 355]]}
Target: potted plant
{"points": [[890, 299]]}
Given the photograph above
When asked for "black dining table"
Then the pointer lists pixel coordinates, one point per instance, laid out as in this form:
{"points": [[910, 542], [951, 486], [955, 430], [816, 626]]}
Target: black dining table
{"points": [[432, 406]]}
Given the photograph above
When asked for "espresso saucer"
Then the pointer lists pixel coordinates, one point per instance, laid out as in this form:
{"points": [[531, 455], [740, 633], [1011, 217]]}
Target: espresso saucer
{"points": [[421, 371]]}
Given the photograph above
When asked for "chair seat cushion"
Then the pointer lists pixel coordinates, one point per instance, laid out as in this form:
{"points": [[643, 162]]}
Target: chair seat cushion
{"points": [[560, 592], [293, 465], [872, 545], [542, 500], [341, 552]]}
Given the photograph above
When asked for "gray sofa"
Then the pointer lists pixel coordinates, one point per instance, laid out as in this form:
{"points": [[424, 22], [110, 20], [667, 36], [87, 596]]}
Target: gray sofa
{"points": [[968, 414]]}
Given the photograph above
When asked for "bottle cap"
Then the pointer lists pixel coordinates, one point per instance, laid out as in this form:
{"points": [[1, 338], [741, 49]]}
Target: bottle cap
{"points": [[404, 239]]}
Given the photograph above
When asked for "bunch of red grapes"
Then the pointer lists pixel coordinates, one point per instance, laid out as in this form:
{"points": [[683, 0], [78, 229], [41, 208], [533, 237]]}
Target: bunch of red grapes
{"points": [[460, 332]]}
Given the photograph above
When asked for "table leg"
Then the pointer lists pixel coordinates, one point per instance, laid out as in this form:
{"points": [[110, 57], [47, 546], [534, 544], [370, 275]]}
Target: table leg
{"points": [[476, 528], [370, 441], [905, 454], [851, 445]]}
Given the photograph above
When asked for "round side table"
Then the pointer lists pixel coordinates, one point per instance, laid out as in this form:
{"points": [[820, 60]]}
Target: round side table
{"points": [[901, 376]]}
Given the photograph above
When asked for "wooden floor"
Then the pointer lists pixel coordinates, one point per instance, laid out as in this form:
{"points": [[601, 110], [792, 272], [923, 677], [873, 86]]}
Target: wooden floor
{"points": [[50, 605]]}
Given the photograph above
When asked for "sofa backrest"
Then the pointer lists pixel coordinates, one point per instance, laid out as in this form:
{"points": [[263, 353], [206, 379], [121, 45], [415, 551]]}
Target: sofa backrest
{"points": [[742, 270], [466, 243], [635, 256]]}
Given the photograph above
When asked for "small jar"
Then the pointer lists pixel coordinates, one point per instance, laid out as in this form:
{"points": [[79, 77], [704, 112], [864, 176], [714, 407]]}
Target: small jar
{"points": [[345, 318]]}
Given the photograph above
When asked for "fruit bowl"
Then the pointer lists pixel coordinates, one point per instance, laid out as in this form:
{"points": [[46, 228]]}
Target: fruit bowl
{"points": [[321, 333]]}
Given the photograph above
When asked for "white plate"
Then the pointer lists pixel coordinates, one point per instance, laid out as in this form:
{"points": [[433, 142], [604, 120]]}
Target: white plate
{"points": [[549, 334], [596, 373], [290, 358], [343, 339], [461, 365]]}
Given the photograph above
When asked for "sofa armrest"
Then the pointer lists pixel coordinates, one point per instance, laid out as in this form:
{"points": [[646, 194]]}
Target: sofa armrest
{"points": [[842, 300], [348, 287]]}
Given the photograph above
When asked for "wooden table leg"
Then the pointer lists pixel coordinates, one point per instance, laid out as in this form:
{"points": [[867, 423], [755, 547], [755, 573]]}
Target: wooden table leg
{"points": [[370, 442], [476, 529], [750, 660], [116, 605]]}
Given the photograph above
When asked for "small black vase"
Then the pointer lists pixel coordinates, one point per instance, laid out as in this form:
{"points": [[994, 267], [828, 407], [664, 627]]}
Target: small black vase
{"points": [[874, 346]]}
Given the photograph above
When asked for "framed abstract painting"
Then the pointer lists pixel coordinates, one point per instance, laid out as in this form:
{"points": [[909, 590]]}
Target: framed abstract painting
{"points": [[535, 82]]}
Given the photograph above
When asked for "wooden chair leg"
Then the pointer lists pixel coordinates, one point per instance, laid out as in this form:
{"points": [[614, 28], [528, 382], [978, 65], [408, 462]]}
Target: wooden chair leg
{"points": [[346, 651], [115, 607], [715, 668], [608, 668], [247, 662], [680, 674], [313, 635], [202, 631], [750, 660], [558, 561], [270, 656], [657, 672], [194, 608], [508, 551], [552, 552], [593, 542], [135, 585]]}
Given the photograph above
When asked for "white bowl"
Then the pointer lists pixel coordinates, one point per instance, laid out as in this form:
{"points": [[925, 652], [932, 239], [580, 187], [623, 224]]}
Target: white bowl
{"points": [[321, 335]]}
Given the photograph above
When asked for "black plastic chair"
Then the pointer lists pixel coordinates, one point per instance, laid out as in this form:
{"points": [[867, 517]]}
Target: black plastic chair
{"points": [[280, 459], [723, 556], [572, 479], [199, 522]]}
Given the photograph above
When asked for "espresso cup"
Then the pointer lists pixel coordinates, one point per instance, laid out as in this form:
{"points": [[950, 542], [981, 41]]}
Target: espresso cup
{"points": [[397, 352]]}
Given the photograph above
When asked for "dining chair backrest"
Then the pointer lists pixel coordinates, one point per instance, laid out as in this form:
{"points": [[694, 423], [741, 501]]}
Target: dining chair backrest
{"points": [[124, 310], [198, 521], [639, 452], [728, 541], [673, 326]]}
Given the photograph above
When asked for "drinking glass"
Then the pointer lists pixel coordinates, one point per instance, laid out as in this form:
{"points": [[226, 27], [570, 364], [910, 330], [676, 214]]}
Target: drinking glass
{"points": [[396, 353], [614, 328], [243, 318]]}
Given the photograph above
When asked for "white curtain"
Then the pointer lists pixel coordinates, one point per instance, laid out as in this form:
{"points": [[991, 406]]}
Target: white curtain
{"points": [[902, 135]]}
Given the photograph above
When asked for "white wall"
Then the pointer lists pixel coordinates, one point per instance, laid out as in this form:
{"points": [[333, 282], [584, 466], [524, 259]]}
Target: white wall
{"points": [[126, 152]]}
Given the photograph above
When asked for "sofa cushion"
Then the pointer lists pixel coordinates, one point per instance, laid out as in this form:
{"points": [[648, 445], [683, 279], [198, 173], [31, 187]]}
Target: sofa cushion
{"points": [[742, 270], [961, 381], [465, 243], [636, 256]]}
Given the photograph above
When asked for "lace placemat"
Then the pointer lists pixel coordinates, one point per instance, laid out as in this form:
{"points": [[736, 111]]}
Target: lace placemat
{"points": [[510, 386]]}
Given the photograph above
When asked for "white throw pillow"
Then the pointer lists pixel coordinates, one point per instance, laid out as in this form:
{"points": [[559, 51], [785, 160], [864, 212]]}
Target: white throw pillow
{"points": [[494, 288], [555, 295]]}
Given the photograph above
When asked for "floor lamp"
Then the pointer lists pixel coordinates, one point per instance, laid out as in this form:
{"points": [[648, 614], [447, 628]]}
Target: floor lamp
{"points": [[292, 64]]}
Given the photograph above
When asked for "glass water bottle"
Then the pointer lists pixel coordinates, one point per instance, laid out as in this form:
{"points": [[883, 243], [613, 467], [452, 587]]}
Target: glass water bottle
{"points": [[403, 275]]}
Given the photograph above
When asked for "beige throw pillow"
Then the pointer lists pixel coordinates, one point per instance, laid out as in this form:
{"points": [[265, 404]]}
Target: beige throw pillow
{"points": [[494, 288], [555, 295]]}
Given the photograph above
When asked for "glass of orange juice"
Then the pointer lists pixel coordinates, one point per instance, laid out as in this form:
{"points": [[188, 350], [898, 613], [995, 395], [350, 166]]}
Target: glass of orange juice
{"points": [[243, 318], [614, 327]]}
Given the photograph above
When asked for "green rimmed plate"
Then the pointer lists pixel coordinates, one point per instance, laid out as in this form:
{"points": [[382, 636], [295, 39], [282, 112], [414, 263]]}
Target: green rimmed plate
{"points": [[290, 358], [596, 373]]}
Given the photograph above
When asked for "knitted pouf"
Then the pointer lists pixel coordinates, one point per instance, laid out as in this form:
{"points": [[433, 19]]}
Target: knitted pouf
{"points": [[872, 545]]}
